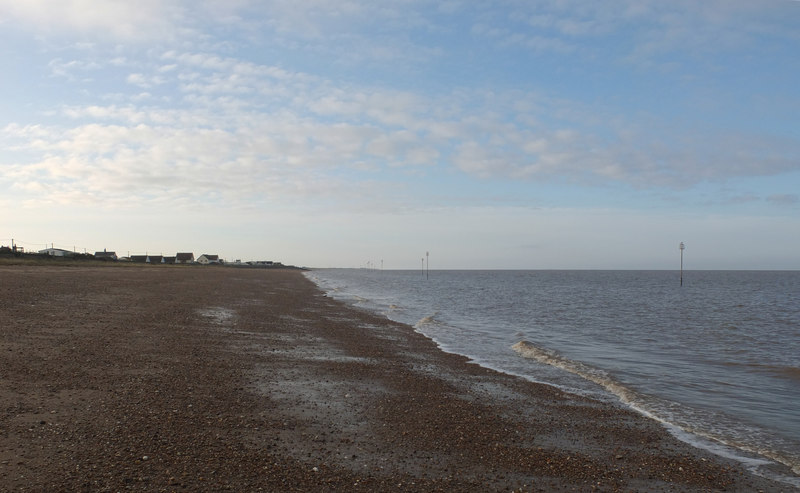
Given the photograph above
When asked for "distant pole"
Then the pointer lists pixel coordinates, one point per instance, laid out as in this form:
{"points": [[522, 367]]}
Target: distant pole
{"points": [[428, 262], [682, 247], [423, 266]]}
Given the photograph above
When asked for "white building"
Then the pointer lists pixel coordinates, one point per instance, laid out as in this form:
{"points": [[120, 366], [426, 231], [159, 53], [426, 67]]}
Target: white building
{"points": [[206, 259], [57, 252]]}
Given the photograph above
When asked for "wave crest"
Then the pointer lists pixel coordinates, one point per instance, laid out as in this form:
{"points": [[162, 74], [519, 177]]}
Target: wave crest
{"points": [[429, 320], [552, 358], [640, 403]]}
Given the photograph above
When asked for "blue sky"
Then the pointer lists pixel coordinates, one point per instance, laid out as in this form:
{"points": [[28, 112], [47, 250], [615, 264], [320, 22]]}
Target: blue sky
{"points": [[493, 134]]}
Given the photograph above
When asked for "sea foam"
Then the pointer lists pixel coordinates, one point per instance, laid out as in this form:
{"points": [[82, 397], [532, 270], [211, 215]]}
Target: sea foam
{"points": [[601, 378]]}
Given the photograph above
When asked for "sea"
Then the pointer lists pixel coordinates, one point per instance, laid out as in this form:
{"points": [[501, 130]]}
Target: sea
{"points": [[713, 355]]}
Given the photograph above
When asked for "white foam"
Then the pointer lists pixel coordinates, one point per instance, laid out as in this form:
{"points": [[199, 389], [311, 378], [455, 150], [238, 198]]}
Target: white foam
{"points": [[552, 358], [685, 432]]}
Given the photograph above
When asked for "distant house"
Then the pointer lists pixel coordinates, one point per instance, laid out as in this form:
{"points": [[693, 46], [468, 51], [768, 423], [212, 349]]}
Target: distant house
{"points": [[13, 249], [146, 259], [104, 255], [168, 260], [206, 259], [184, 258], [57, 252]]}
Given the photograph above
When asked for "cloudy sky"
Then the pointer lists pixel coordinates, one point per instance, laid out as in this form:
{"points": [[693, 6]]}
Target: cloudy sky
{"points": [[493, 134]]}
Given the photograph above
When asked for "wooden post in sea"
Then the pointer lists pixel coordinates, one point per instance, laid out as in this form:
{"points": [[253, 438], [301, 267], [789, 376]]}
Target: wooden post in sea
{"points": [[682, 247]]}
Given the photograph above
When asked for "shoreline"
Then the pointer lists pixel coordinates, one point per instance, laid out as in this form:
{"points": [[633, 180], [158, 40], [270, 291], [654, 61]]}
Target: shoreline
{"points": [[763, 457], [213, 379]]}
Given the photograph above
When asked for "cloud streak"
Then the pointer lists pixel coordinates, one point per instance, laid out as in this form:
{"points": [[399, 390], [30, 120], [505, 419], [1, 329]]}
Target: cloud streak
{"points": [[261, 128]]}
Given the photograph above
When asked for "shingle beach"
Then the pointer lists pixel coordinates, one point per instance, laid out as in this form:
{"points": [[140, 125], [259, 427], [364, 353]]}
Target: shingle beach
{"points": [[159, 378]]}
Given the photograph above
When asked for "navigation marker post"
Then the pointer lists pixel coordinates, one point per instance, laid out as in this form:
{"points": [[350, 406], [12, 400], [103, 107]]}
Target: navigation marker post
{"points": [[428, 261], [682, 247]]}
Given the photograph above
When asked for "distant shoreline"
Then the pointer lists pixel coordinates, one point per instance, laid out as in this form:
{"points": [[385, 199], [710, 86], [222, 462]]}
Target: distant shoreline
{"points": [[33, 260]]}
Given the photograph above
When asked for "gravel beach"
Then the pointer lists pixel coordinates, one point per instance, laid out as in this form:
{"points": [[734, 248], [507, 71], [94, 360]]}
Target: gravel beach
{"points": [[176, 378]]}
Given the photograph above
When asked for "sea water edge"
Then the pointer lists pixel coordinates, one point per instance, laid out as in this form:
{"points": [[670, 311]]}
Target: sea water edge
{"points": [[430, 308]]}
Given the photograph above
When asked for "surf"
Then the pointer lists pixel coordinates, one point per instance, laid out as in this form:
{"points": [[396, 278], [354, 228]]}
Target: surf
{"points": [[600, 377], [682, 428]]}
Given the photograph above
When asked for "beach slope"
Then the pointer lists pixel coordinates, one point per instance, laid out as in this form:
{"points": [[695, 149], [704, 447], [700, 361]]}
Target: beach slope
{"points": [[210, 379]]}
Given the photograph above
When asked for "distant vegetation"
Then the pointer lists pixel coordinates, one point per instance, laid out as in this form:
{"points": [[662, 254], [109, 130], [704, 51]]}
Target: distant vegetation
{"points": [[10, 257]]}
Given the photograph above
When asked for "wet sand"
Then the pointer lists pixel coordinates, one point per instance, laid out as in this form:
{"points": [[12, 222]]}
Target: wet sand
{"points": [[159, 378]]}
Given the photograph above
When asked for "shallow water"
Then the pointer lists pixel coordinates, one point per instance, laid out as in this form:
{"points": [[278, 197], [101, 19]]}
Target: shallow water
{"points": [[717, 359]]}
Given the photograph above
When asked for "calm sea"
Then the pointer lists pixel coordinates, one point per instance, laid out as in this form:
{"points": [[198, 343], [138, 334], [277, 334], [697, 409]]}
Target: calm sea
{"points": [[717, 360]]}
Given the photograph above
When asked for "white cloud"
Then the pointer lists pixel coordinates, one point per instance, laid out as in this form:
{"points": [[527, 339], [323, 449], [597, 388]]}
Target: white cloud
{"points": [[648, 33], [73, 69], [265, 128], [117, 19], [144, 81]]}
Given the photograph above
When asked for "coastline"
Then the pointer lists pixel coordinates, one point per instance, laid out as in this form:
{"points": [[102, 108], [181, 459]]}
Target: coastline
{"points": [[208, 379]]}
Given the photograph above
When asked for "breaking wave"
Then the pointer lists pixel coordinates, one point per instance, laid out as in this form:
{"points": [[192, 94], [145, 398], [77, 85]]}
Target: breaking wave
{"points": [[679, 426], [552, 358], [429, 320]]}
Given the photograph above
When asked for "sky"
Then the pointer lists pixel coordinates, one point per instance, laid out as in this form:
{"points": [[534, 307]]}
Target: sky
{"points": [[502, 134]]}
